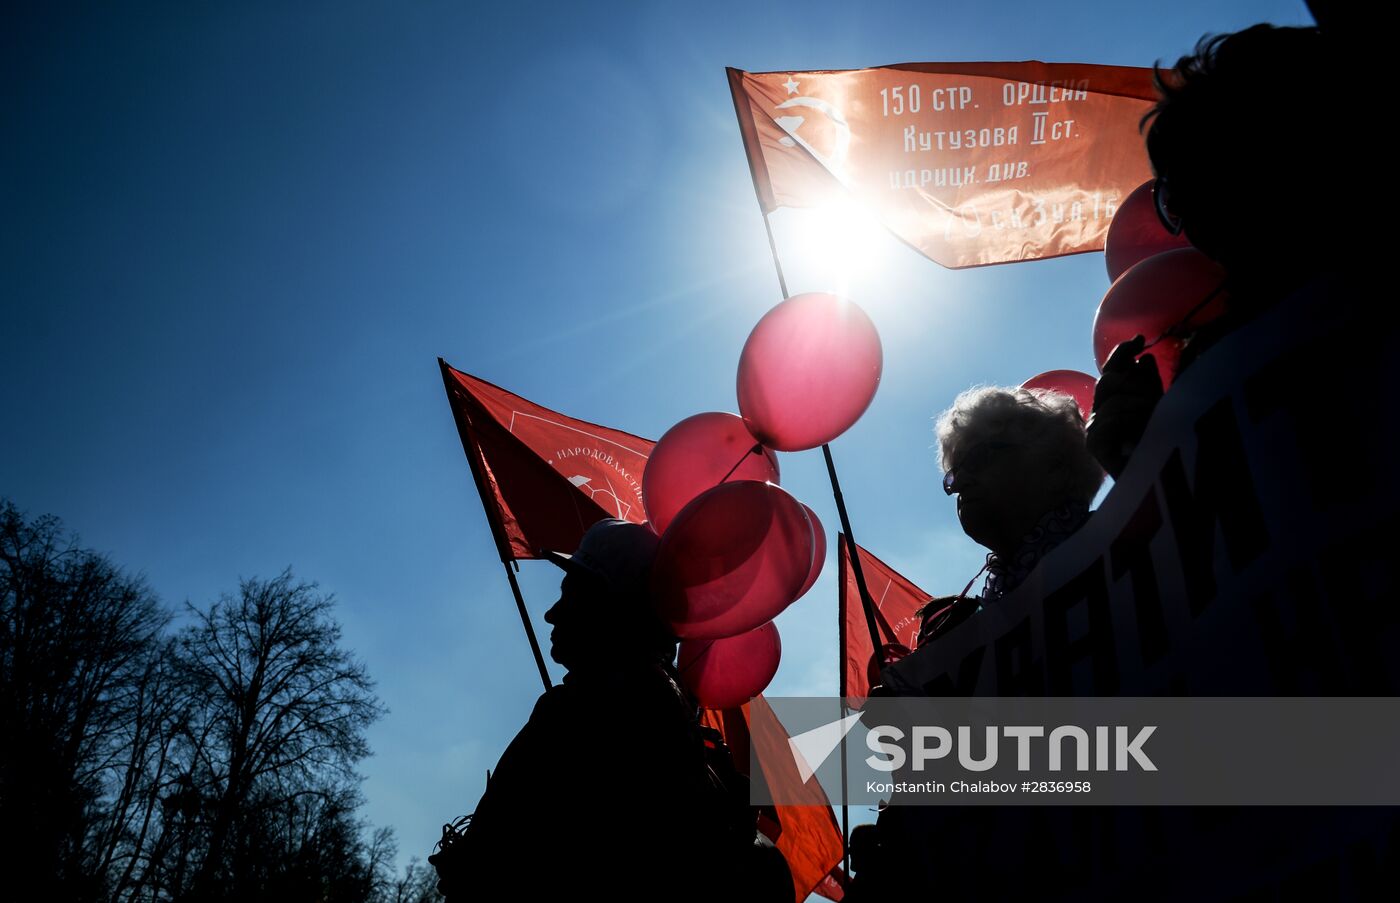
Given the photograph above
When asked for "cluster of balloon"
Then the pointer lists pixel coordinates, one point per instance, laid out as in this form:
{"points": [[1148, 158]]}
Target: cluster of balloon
{"points": [[1079, 386], [728, 563], [736, 548], [1162, 287]]}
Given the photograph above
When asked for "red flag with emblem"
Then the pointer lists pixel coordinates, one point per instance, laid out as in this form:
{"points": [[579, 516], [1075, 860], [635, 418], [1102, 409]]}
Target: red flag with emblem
{"points": [[544, 478], [807, 834], [968, 163], [897, 601]]}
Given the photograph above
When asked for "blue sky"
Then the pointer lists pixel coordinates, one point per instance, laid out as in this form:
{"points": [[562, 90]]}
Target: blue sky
{"points": [[235, 238]]}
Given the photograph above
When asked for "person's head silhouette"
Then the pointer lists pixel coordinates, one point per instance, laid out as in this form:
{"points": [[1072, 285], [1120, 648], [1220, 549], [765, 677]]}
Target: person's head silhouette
{"points": [[1013, 456], [604, 613], [1246, 144]]}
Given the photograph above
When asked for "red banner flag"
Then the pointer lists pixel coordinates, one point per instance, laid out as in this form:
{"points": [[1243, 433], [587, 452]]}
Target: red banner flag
{"points": [[968, 163], [544, 478], [807, 834], [833, 886], [897, 602]]}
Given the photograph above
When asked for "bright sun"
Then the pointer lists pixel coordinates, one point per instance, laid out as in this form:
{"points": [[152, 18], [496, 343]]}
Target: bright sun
{"points": [[828, 247]]}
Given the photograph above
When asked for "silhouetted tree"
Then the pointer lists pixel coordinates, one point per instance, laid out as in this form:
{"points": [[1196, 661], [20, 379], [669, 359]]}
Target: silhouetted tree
{"points": [[215, 764], [76, 636], [138, 814], [279, 712], [418, 885]]}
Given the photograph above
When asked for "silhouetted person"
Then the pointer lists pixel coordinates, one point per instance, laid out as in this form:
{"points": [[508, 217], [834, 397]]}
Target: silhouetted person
{"points": [[865, 865], [1241, 143], [1245, 138], [605, 789], [768, 878], [1016, 460]]}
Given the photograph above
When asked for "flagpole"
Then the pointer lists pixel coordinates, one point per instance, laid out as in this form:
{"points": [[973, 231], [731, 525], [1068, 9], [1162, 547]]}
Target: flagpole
{"points": [[502, 547], [529, 628], [845, 805], [842, 553], [867, 603], [773, 249]]}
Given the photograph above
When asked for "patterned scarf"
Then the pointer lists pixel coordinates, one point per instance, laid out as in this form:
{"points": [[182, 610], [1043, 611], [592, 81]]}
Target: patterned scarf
{"points": [[1051, 530]]}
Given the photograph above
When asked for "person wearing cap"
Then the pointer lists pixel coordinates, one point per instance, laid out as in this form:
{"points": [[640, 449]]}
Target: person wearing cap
{"points": [[605, 787]]}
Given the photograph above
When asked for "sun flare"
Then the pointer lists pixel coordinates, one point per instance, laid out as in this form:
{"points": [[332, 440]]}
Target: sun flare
{"points": [[830, 247]]}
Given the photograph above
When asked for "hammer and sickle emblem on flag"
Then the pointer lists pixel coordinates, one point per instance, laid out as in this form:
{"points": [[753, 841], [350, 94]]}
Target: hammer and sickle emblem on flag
{"points": [[836, 160]]}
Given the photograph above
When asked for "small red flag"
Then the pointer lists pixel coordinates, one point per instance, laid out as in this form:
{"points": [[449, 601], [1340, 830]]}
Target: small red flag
{"points": [[807, 835], [897, 601], [544, 478], [833, 886], [967, 163]]}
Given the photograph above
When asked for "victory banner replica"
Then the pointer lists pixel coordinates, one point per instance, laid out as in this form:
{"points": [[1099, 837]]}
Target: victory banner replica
{"points": [[968, 163]]}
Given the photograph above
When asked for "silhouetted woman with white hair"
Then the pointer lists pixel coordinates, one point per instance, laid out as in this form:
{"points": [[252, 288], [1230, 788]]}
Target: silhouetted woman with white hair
{"points": [[1016, 460]]}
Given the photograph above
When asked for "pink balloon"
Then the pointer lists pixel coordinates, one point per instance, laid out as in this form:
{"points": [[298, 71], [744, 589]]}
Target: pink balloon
{"points": [[1079, 386], [695, 455], [818, 552], [1136, 233], [1155, 296], [726, 673], [733, 558], [808, 371]]}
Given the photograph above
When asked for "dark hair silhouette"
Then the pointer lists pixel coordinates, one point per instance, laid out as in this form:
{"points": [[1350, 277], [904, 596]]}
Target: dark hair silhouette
{"points": [[1246, 144]]}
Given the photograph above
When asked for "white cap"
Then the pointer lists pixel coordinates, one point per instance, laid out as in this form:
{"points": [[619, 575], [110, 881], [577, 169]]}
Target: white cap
{"points": [[617, 551]]}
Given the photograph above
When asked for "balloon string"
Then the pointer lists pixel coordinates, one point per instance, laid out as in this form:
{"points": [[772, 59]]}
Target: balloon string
{"points": [[1178, 328], [757, 449]]}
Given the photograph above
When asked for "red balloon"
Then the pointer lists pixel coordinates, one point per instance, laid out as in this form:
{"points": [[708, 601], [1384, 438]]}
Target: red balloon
{"points": [[695, 455], [889, 654], [733, 558], [818, 552], [1154, 296], [1079, 386], [808, 371], [726, 673], [1136, 233]]}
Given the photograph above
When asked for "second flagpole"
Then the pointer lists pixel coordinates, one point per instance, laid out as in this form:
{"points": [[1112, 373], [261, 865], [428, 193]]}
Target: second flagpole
{"points": [[502, 547], [866, 601]]}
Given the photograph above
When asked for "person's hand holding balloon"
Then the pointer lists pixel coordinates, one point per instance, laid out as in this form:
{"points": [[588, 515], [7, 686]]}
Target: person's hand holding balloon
{"points": [[1124, 399]]}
